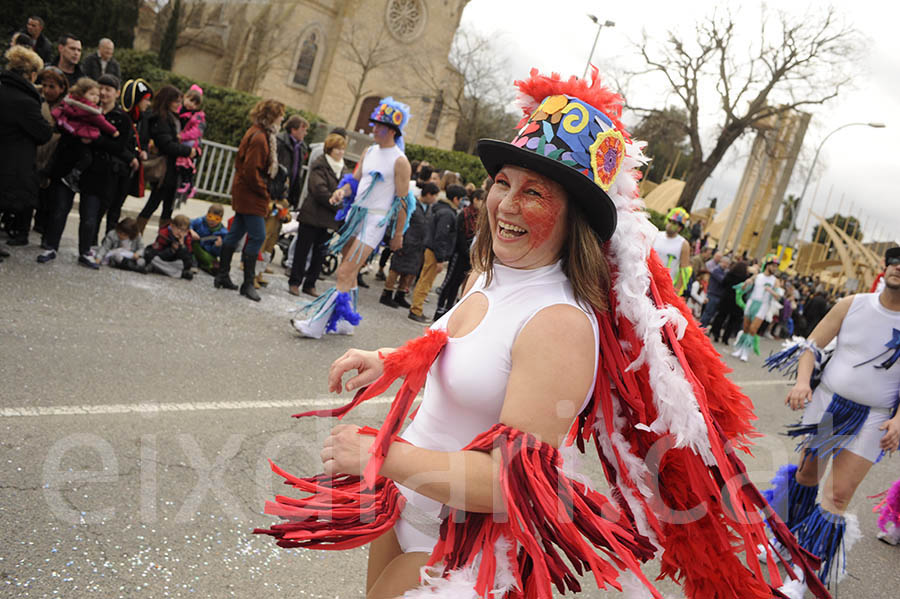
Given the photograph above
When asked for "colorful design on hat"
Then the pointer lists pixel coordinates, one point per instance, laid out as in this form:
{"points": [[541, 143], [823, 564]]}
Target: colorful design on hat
{"points": [[771, 259], [607, 156], [392, 113], [679, 215], [570, 131]]}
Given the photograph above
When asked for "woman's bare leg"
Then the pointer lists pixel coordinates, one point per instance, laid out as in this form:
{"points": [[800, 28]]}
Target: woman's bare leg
{"points": [[400, 575], [382, 552]]}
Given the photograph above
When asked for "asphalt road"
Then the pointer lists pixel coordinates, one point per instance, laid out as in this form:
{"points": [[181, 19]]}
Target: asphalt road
{"points": [[138, 413]]}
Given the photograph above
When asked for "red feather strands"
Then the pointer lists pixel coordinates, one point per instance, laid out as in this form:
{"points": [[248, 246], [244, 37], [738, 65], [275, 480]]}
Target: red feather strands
{"points": [[339, 513], [537, 87], [349, 511], [546, 514], [704, 516]]}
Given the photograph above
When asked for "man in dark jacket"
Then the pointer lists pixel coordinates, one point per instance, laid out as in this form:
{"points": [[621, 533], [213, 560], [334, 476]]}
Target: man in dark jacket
{"points": [[22, 129], [102, 62], [69, 49], [440, 243], [716, 290], [34, 27], [292, 153], [407, 261]]}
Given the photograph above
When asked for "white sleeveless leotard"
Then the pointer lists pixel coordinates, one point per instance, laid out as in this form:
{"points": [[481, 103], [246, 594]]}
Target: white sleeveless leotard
{"points": [[466, 385], [866, 330], [376, 193]]}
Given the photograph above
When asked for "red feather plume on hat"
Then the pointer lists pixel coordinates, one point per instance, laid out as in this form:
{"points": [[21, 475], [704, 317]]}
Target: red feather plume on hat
{"points": [[533, 90]]}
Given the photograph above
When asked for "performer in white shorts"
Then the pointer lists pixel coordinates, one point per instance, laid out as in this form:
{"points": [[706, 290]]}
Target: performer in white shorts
{"points": [[375, 197], [763, 291], [850, 417]]}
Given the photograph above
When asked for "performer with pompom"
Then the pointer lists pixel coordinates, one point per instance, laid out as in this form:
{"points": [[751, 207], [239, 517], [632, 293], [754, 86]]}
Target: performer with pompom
{"points": [[674, 250], [850, 417], [375, 197], [569, 334]]}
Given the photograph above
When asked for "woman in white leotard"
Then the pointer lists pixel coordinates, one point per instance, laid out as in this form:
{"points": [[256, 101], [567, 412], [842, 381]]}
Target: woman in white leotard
{"points": [[545, 342]]}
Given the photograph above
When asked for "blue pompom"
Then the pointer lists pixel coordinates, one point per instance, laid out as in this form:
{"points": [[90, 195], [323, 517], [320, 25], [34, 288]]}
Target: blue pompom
{"points": [[343, 310]]}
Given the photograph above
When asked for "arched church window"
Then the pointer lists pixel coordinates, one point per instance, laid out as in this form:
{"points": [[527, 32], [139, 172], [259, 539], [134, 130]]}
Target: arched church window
{"points": [[309, 50], [406, 19]]}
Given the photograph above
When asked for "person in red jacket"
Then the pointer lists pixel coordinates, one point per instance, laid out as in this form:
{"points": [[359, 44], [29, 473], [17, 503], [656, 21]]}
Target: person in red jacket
{"points": [[255, 165]]}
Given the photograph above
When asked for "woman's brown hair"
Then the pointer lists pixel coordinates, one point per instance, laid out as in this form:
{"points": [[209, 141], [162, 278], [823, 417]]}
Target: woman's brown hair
{"points": [[266, 112], [165, 96], [582, 257]]}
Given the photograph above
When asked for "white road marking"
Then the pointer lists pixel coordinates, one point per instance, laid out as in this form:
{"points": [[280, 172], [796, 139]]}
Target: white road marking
{"points": [[199, 406], [195, 406]]}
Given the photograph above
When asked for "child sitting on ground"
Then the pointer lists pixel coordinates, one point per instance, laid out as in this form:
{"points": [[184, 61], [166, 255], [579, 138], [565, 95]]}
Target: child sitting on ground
{"points": [[208, 233], [193, 124], [171, 254], [122, 247], [79, 115]]}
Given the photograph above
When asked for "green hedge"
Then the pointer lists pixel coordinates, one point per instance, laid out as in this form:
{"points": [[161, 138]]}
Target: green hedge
{"points": [[227, 110], [469, 167]]}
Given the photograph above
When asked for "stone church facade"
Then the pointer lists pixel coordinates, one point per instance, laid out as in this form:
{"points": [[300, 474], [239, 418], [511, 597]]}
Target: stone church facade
{"points": [[311, 54]]}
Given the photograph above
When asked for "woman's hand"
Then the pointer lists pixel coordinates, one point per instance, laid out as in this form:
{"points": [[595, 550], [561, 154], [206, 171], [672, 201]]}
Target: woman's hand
{"points": [[367, 364], [397, 243], [337, 197], [345, 451], [891, 438], [799, 396]]}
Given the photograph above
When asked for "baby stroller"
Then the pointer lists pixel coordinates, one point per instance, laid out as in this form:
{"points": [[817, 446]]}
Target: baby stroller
{"points": [[288, 239]]}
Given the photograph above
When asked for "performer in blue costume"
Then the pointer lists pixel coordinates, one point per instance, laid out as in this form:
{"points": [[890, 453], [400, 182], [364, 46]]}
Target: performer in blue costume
{"points": [[850, 416], [375, 197]]}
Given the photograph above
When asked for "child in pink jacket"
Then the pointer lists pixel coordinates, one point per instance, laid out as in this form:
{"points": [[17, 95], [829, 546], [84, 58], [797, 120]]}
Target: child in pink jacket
{"points": [[79, 115], [193, 124]]}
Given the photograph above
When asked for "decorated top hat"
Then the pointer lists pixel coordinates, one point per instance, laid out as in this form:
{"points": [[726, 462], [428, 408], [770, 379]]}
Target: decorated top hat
{"points": [[392, 113], [572, 135], [679, 215]]}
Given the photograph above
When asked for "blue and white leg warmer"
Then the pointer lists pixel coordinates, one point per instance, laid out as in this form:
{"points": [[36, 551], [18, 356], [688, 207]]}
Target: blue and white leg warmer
{"points": [[792, 501], [828, 536]]}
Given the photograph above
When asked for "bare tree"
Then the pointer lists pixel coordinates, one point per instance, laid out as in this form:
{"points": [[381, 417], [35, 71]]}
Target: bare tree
{"points": [[472, 87], [803, 61], [368, 51]]}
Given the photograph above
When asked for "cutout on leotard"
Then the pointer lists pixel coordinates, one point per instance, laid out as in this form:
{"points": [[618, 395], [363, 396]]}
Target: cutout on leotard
{"points": [[468, 315]]}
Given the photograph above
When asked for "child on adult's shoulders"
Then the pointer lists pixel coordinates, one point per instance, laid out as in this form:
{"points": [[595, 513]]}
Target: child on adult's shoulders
{"points": [[171, 253], [208, 233], [122, 247]]}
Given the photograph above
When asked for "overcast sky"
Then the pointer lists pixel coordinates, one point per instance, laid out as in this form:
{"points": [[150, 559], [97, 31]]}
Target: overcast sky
{"points": [[859, 163]]}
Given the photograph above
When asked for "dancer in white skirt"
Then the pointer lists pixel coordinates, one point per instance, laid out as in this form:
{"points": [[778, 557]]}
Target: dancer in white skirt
{"points": [[375, 197], [850, 416]]}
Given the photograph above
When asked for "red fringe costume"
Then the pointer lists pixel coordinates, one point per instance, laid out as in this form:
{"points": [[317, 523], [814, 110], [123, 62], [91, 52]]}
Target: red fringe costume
{"points": [[664, 421]]}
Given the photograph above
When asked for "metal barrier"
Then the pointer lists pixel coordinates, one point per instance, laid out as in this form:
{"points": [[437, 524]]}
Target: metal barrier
{"points": [[215, 171]]}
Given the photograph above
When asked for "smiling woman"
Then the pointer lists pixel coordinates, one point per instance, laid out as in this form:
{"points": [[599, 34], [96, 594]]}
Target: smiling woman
{"points": [[549, 346]]}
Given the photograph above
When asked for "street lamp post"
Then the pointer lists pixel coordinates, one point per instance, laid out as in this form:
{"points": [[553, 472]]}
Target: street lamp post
{"points": [[596, 37], [792, 235]]}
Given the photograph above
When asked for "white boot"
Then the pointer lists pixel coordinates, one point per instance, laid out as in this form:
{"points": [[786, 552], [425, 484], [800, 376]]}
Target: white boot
{"points": [[745, 354], [344, 327], [321, 308]]}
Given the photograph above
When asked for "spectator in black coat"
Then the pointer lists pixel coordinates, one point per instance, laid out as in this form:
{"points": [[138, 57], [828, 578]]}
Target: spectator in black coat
{"points": [[317, 215], [440, 243], [113, 159], [406, 262], [730, 316], [22, 129], [814, 310], [460, 264], [292, 154], [102, 62], [164, 130], [34, 27]]}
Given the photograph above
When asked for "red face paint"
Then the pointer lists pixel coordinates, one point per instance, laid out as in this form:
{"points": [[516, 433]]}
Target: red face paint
{"points": [[540, 208]]}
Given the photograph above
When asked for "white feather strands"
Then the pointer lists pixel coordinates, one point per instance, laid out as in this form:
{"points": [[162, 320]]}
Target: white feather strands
{"points": [[677, 408], [460, 584]]}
